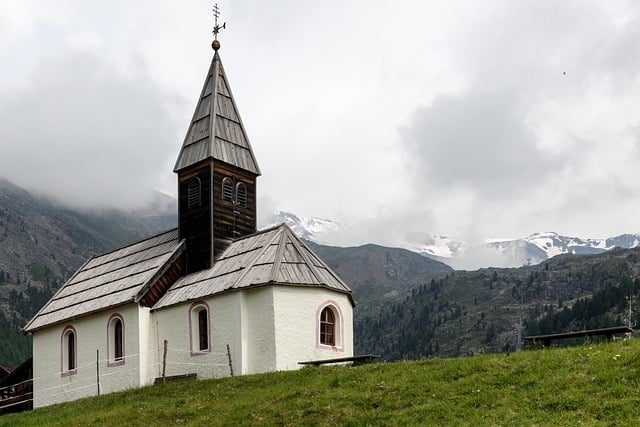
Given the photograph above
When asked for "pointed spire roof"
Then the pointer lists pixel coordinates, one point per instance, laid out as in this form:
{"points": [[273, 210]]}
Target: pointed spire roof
{"points": [[216, 130]]}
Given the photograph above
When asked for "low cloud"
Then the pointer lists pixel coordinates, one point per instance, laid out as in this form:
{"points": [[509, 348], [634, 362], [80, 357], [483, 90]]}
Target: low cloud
{"points": [[81, 133]]}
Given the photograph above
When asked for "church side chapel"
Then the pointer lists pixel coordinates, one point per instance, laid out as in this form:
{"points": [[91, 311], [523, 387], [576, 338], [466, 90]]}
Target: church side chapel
{"points": [[225, 298]]}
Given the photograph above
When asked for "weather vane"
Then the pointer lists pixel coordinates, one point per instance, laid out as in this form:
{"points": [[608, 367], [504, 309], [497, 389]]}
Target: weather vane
{"points": [[216, 27]]}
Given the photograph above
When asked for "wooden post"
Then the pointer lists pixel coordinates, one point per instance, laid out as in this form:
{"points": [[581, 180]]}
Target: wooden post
{"points": [[229, 356], [98, 370], [164, 362]]}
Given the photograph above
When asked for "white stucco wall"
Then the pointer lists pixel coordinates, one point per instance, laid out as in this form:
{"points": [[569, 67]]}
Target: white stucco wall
{"points": [[268, 329], [52, 386], [244, 320], [260, 334], [297, 312], [148, 347], [173, 325]]}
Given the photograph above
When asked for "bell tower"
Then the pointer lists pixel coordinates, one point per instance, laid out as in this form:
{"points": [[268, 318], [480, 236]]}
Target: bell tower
{"points": [[217, 172]]}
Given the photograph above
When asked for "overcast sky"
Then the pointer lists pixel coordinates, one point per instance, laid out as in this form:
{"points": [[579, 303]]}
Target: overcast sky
{"points": [[461, 118]]}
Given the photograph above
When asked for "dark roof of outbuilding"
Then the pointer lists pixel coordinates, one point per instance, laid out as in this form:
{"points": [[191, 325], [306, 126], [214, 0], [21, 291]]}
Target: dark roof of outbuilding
{"points": [[4, 370]]}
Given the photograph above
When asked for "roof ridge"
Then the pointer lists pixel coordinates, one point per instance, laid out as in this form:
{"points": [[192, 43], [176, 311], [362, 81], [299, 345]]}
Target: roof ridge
{"points": [[277, 262], [253, 260], [309, 256], [235, 107], [213, 112], [256, 233], [296, 244], [175, 255]]}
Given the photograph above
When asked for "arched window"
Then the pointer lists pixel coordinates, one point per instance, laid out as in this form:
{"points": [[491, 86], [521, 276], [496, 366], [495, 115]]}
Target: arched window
{"points": [[199, 328], [227, 189], [194, 193], [69, 351], [115, 343], [203, 329], [327, 327], [241, 194], [117, 339]]}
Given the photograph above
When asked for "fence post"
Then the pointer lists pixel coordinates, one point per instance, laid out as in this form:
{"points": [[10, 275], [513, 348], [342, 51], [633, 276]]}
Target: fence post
{"points": [[229, 357], [98, 370], [164, 362]]}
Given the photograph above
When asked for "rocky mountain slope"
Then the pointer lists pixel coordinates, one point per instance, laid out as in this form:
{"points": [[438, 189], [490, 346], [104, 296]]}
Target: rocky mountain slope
{"points": [[42, 243], [378, 275], [39, 233], [489, 310]]}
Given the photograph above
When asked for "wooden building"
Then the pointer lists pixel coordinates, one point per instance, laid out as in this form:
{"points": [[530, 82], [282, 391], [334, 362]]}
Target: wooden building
{"points": [[4, 371], [16, 389], [214, 297]]}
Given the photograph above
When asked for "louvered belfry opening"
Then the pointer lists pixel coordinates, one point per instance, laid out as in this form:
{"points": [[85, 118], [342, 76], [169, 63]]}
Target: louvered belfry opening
{"points": [[217, 174]]}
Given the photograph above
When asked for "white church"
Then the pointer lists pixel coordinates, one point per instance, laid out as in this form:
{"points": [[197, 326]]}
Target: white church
{"points": [[212, 298]]}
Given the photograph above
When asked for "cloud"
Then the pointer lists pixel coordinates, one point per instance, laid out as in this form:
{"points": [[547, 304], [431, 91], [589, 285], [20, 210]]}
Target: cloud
{"points": [[446, 117], [543, 132], [82, 133], [478, 140]]}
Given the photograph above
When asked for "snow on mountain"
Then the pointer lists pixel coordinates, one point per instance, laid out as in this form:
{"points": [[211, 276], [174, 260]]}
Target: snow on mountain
{"points": [[624, 241], [434, 246], [511, 252], [541, 246], [317, 230], [459, 254]]}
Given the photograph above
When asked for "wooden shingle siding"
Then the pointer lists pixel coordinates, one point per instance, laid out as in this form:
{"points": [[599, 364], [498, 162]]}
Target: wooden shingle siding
{"points": [[232, 221], [226, 108], [195, 224], [199, 130]]}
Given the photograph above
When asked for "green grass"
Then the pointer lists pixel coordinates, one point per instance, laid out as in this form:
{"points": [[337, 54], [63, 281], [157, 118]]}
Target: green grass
{"points": [[592, 384]]}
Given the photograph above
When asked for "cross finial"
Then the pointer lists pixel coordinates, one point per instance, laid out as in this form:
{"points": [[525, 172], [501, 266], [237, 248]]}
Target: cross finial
{"points": [[216, 27]]}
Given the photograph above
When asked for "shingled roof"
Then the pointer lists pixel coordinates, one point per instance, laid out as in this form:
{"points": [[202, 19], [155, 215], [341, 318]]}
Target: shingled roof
{"points": [[271, 257], [216, 130], [275, 256], [110, 280]]}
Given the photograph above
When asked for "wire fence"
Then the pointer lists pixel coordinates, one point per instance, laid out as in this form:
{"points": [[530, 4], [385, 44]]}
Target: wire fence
{"points": [[108, 375]]}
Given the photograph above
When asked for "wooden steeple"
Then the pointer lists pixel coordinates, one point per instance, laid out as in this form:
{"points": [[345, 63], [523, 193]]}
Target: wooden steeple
{"points": [[217, 173]]}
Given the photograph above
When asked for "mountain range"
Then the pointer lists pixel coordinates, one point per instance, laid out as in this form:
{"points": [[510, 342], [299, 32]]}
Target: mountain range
{"points": [[408, 305], [463, 255]]}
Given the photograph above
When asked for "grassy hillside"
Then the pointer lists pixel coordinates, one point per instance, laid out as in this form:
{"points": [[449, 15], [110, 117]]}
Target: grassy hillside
{"points": [[592, 384]]}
